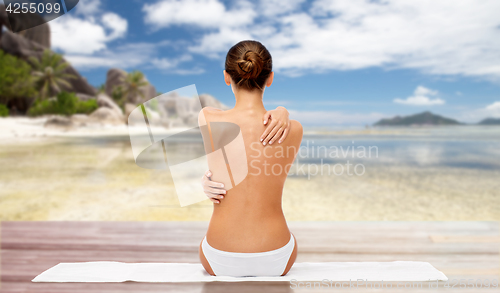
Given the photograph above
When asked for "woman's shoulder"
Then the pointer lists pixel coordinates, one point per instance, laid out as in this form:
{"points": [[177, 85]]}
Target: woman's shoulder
{"points": [[297, 126], [208, 114], [212, 109], [295, 134]]}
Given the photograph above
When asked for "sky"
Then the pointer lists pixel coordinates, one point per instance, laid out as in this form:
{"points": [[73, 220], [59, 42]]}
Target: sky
{"points": [[336, 62]]}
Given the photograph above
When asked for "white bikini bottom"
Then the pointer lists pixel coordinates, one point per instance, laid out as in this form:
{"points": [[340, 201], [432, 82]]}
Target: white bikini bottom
{"points": [[242, 264]]}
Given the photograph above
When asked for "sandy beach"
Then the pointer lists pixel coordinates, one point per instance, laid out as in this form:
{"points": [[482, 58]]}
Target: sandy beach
{"points": [[20, 130], [90, 174]]}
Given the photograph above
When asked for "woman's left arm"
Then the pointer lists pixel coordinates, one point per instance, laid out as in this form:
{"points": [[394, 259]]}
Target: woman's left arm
{"points": [[278, 126]]}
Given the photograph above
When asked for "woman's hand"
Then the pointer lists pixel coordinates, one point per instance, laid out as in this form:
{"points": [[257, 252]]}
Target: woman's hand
{"points": [[213, 190], [278, 128]]}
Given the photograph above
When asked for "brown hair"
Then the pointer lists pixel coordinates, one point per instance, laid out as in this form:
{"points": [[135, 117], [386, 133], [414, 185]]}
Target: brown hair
{"points": [[249, 64]]}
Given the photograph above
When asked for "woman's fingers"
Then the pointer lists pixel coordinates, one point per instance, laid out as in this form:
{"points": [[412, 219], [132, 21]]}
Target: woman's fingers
{"points": [[284, 135], [267, 135], [207, 182], [285, 132], [276, 135], [273, 118], [213, 184], [269, 128], [273, 132], [212, 190], [266, 117], [213, 195]]}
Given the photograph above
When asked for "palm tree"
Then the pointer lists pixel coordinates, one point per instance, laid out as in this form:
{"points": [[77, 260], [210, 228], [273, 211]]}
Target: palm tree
{"points": [[118, 96], [50, 74], [132, 83]]}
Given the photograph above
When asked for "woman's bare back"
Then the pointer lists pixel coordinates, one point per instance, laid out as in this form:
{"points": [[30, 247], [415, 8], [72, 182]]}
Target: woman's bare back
{"points": [[250, 217]]}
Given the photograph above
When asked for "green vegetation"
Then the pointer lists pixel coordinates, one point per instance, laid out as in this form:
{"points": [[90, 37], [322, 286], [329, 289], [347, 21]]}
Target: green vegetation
{"points": [[119, 96], [65, 104], [50, 74], [86, 107], [43, 85], [425, 118], [15, 78], [4, 111], [132, 84]]}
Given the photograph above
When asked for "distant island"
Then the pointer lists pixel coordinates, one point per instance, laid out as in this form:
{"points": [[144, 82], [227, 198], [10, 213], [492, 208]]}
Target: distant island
{"points": [[490, 121], [424, 118]]}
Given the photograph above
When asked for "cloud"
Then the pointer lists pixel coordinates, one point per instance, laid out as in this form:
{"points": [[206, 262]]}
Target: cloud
{"points": [[88, 7], [171, 65], [202, 13], [213, 44], [132, 55], [88, 34], [125, 56], [334, 117], [75, 35], [434, 37], [492, 110], [474, 115], [85, 38], [421, 97], [191, 71], [116, 24], [279, 7]]}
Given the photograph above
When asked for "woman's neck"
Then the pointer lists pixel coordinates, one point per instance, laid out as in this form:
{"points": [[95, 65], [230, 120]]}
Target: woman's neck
{"points": [[249, 100]]}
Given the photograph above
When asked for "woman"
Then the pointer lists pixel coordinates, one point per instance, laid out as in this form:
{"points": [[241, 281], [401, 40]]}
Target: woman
{"points": [[248, 234]]}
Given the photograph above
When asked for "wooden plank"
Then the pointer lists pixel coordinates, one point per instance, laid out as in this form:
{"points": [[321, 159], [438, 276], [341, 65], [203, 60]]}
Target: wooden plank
{"points": [[459, 249], [464, 239]]}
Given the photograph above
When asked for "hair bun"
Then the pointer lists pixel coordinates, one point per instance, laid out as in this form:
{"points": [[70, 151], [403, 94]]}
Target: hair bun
{"points": [[250, 65]]}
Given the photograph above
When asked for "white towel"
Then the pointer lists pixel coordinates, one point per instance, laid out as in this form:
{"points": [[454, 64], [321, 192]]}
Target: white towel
{"points": [[109, 271]]}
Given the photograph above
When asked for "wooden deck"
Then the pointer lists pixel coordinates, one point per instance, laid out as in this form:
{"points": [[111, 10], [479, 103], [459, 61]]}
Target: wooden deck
{"points": [[467, 250]]}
